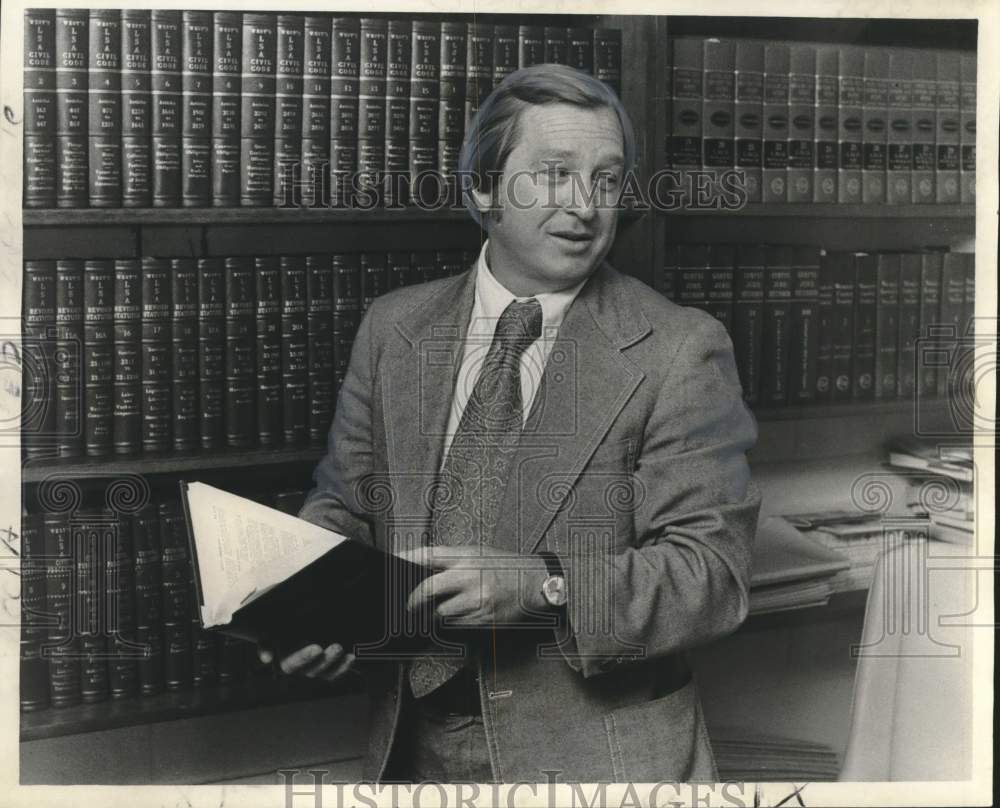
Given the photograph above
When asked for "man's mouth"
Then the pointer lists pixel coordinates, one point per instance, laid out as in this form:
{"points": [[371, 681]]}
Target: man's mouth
{"points": [[576, 237]]}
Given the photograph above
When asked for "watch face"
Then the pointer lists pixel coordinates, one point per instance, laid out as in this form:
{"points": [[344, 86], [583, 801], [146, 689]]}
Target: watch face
{"points": [[554, 590]]}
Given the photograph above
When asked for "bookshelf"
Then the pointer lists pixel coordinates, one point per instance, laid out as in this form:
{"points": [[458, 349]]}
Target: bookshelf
{"points": [[788, 434]]}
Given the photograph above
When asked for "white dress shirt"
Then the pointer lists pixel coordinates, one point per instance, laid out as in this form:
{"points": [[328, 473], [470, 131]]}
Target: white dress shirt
{"points": [[491, 298]]}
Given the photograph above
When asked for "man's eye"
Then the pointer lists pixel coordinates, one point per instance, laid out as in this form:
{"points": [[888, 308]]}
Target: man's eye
{"points": [[607, 180]]}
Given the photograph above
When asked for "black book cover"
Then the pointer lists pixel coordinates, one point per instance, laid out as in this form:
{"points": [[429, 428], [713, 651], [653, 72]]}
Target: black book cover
{"points": [[319, 314], [397, 113], [72, 116], [104, 134], [184, 354], [422, 266], [257, 110], [556, 46], [824, 328], [196, 109], [692, 275], [267, 271], [239, 413], [38, 324], [804, 317], [967, 135], [137, 109], [479, 67], [315, 146], [148, 599], [801, 123], [39, 108], [374, 277], [451, 108], [156, 354], [175, 566], [294, 349], [952, 318], [425, 72], [62, 641], [346, 309], [663, 281], [684, 138], [748, 109], [288, 110], [127, 375], [924, 106], [826, 125], [166, 98], [123, 674], [718, 105], [844, 286], [345, 66], [98, 355], [777, 325], [948, 126], [886, 325], [505, 52], [863, 342], [775, 123], [204, 655], [608, 57], [909, 325], [899, 131], [530, 45], [211, 352], [398, 269], [371, 110], [874, 126], [91, 535], [34, 667], [849, 127], [69, 357], [580, 48], [719, 291], [930, 314], [227, 60]]}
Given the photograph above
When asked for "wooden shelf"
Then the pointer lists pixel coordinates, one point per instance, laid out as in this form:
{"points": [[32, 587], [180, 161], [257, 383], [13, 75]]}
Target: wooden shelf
{"points": [[257, 691], [817, 211]]}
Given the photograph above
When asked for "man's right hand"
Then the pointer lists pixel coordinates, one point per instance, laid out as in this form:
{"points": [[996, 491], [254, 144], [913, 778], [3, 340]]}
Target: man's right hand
{"points": [[313, 661]]}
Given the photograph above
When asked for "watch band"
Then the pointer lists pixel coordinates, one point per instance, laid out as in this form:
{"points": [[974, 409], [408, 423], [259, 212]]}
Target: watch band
{"points": [[552, 563]]}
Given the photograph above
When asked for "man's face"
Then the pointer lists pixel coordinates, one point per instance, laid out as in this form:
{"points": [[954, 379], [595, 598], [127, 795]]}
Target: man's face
{"points": [[557, 221]]}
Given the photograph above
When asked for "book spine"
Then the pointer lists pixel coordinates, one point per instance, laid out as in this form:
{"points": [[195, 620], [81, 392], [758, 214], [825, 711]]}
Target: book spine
{"points": [[72, 90], [967, 136], [801, 123], [924, 106], [315, 146], [951, 317], [289, 56], [371, 111], [267, 272], [930, 312], [804, 321], [184, 354], [38, 322], [777, 326], [748, 123], [345, 66], [257, 110], [717, 107], [147, 564], [63, 643], [909, 325], [530, 45], [238, 413], [166, 98], [90, 536], [556, 46], [39, 110], [34, 668], [580, 49], [825, 328], [825, 125], [505, 52], [844, 301], [123, 675], [211, 352], [663, 281], [775, 118], [104, 133], [174, 580], [948, 126], [397, 113], [863, 340], [451, 108], [479, 67], [874, 113], [227, 60], [319, 333], [398, 269], [98, 356], [374, 277], [422, 268], [608, 57], [719, 292], [849, 124], [204, 656], [425, 69], [346, 309], [294, 349], [886, 325], [137, 109], [899, 130], [685, 108], [156, 354], [127, 369], [69, 358], [196, 109], [692, 276], [969, 309]]}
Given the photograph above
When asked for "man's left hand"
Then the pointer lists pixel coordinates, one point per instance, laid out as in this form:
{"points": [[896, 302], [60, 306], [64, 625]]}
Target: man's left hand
{"points": [[478, 586]]}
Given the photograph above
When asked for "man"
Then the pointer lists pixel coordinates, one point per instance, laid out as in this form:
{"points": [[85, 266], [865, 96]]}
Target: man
{"points": [[570, 446]]}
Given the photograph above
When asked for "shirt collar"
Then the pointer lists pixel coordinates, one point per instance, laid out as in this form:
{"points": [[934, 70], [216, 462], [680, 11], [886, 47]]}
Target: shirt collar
{"points": [[492, 297]]}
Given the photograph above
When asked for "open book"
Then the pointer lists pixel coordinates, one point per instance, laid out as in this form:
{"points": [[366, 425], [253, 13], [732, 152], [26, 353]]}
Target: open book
{"points": [[271, 578]]}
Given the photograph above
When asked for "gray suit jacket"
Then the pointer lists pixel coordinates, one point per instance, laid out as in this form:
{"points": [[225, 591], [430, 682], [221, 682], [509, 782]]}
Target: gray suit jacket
{"points": [[631, 468]]}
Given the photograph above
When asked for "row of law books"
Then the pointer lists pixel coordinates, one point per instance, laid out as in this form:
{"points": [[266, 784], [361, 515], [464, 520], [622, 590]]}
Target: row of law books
{"points": [[166, 108], [153, 355], [109, 612], [810, 325], [825, 123]]}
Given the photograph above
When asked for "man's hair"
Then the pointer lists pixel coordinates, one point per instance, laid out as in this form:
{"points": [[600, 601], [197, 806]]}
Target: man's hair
{"points": [[495, 129]]}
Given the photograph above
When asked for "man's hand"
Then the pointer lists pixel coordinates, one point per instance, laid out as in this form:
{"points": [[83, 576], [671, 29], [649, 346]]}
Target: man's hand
{"points": [[478, 586], [313, 661]]}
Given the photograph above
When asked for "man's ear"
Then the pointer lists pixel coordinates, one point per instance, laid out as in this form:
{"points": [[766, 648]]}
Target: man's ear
{"points": [[483, 201]]}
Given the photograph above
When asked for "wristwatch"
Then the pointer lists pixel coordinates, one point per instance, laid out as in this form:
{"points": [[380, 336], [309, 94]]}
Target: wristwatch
{"points": [[554, 585]]}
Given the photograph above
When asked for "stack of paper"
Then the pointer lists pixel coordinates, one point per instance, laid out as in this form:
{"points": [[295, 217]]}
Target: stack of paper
{"points": [[744, 755]]}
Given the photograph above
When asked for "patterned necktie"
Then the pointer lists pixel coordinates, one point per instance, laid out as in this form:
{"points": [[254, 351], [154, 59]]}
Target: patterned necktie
{"points": [[473, 478]]}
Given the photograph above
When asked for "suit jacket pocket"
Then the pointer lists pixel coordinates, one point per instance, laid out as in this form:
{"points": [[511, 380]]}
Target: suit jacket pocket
{"points": [[661, 740]]}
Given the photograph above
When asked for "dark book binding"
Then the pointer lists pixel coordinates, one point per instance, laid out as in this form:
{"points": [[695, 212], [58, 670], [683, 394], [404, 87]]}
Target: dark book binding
{"points": [[801, 122], [239, 414], [127, 374], [104, 134], [227, 61], [175, 566], [34, 666], [899, 132], [69, 357], [374, 277], [346, 309], [930, 313], [62, 641], [196, 109], [967, 135], [289, 60], [451, 108], [397, 113], [663, 281], [556, 45], [948, 126], [608, 57], [123, 675], [825, 125], [748, 123], [319, 332], [849, 124], [874, 114], [315, 146], [886, 325], [530, 45], [39, 109], [580, 48], [257, 110], [294, 349], [72, 115], [844, 286], [692, 275], [373, 63], [38, 325], [479, 67], [137, 109], [863, 342], [824, 328], [719, 291], [91, 534], [717, 107], [398, 269], [909, 325], [98, 356], [952, 317], [211, 352], [923, 101], [775, 117], [156, 354], [148, 571], [184, 344], [166, 100], [345, 66], [777, 325], [684, 151], [267, 274], [505, 52], [425, 71], [804, 320]]}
